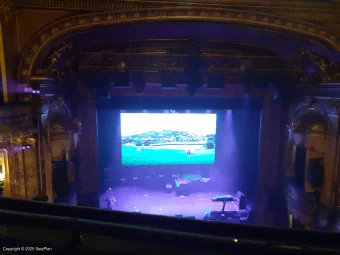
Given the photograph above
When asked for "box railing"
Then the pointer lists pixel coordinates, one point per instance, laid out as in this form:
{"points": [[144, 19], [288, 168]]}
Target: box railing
{"points": [[263, 234]]}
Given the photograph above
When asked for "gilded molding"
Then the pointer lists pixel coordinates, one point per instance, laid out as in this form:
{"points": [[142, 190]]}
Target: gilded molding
{"points": [[7, 10], [67, 25], [290, 9], [16, 136]]}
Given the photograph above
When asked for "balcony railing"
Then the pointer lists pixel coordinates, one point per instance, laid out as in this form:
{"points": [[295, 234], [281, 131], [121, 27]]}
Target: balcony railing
{"points": [[110, 223]]}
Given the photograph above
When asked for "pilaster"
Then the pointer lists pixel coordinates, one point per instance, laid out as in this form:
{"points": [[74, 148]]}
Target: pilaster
{"points": [[269, 159], [87, 167], [330, 161]]}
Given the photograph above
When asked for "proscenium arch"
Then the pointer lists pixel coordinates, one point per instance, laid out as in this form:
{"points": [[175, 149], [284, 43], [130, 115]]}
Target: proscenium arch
{"points": [[67, 25]]}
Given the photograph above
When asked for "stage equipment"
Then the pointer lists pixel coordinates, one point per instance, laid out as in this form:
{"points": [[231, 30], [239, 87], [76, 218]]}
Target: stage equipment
{"points": [[248, 80], [242, 200], [190, 218], [122, 75], [229, 217], [240, 214], [137, 211], [169, 79], [139, 81], [168, 187], [195, 70], [224, 199], [179, 216], [216, 80], [146, 149]]}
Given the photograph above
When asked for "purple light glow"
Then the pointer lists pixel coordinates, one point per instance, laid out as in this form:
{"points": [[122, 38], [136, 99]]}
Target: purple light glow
{"points": [[27, 90]]}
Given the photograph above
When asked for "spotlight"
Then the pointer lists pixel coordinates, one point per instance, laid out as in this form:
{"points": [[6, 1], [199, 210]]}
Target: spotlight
{"points": [[35, 87], [138, 81], [122, 76], [195, 77]]}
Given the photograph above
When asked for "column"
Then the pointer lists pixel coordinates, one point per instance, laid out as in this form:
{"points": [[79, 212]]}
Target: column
{"points": [[87, 167], [270, 169], [330, 161], [42, 100]]}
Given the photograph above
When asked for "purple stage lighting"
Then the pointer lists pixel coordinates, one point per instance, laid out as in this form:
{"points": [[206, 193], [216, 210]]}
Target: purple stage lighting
{"points": [[28, 90]]}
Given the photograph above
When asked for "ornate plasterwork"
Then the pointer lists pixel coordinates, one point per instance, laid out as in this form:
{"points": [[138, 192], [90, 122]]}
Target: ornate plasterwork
{"points": [[292, 9], [67, 25], [11, 136], [7, 10], [309, 117]]}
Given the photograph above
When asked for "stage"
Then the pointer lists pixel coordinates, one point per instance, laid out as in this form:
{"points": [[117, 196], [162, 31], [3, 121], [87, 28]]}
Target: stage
{"points": [[158, 202]]}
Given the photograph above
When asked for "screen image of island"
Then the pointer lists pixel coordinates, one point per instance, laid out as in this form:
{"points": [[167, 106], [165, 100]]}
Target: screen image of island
{"points": [[167, 138]]}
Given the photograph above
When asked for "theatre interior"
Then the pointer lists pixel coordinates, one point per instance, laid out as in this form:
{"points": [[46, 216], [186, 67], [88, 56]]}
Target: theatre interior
{"points": [[206, 111]]}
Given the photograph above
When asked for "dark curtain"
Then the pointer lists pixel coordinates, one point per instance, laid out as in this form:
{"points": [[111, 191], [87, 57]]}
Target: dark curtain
{"points": [[300, 165], [60, 181]]}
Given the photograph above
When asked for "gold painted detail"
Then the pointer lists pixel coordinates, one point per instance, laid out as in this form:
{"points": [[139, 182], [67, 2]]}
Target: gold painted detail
{"points": [[310, 11], [57, 128], [9, 136], [7, 10], [210, 14], [309, 118], [30, 141], [326, 71]]}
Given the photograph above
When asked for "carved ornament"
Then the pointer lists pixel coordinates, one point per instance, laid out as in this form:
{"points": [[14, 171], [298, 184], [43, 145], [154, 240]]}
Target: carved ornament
{"points": [[7, 10], [309, 118], [30, 141], [16, 136], [49, 68], [325, 70], [313, 10], [57, 29]]}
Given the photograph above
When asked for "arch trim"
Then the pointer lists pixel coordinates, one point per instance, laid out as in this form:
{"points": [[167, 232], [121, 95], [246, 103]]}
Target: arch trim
{"points": [[60, 27]]}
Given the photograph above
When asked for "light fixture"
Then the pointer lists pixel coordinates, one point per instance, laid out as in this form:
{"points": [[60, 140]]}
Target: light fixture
{"points": [[195, 70], [139, 81], [121, 76]]}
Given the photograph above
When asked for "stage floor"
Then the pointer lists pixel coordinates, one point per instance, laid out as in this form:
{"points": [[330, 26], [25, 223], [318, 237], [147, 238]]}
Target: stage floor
{"points": [[129, 199]]}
